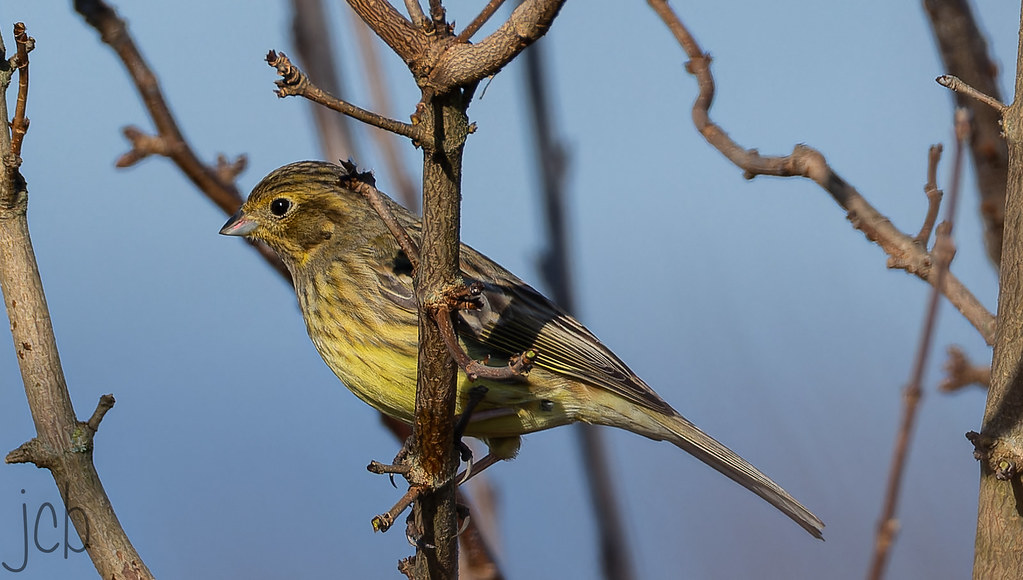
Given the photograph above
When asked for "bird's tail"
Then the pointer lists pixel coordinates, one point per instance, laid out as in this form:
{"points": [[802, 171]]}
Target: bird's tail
{"points": [[688, 437]]}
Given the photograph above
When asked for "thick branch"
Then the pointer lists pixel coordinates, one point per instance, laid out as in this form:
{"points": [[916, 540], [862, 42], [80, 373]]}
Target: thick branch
{"points": [[804, 161], [433, 430], [462, 64], [1000, 445], [477, 553], [432, 458], [62, 443], [405, 39]]}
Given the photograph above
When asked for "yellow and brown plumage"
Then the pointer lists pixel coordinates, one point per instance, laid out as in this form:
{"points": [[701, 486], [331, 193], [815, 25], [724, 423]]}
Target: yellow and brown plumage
{"points": [[354, 287]]}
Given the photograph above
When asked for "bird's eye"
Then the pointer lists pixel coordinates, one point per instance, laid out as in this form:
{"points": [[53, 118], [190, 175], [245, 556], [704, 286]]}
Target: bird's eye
{"points": [[280, 206]]}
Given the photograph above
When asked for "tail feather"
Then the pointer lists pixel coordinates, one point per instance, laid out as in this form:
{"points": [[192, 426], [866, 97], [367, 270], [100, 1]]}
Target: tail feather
{"points": [[689, 438]]}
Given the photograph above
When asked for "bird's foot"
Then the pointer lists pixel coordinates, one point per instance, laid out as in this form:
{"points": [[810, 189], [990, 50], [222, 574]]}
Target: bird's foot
{"points": [[462, 297]]}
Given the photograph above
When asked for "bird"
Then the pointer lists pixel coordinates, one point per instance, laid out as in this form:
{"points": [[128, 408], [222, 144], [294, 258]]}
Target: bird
{"points": [[354, 286]]}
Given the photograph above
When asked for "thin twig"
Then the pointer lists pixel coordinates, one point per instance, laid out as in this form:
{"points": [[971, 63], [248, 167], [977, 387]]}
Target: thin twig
{"points": [[19, 124], [142, 146], [943, 251], [384, 521], [294, 82], [957, 85], [407, 191], [408, 41], [359, 184], [904, 253], [933, 196], [415, 13], [478, 554], [960, 372], [228, 170], [312, 39], [478, 22], [965, 53]]}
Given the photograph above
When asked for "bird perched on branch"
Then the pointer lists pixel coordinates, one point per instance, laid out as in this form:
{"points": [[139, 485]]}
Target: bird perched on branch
{"points": [[354, 286]]}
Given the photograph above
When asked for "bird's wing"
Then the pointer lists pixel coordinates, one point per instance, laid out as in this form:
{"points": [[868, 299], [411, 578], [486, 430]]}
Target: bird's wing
{"points": [[515, 318]]}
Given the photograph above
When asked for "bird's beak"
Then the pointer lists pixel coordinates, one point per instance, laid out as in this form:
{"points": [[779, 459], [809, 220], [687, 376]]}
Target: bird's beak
{"points": [[239, 225]]}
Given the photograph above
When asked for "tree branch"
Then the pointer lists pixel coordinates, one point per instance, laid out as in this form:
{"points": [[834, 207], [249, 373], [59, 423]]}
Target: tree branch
{"points": [[887, 523], [478, 22], [462, 64], [934, 196], [407, 192], [964, 53], [804, 161], [294, 82], [62, 444], [114, 32], [312, 39], [433, 429], [408, 41], [999, 445], [960, 372], [19, 124], [362, 183], [415, 12]]}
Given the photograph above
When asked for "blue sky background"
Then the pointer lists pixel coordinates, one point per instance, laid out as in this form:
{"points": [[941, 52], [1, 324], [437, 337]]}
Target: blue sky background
{"points": [[753, 307]]}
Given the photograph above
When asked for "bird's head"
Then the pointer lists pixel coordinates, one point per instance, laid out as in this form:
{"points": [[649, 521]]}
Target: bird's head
{"points": [[298, 208]]}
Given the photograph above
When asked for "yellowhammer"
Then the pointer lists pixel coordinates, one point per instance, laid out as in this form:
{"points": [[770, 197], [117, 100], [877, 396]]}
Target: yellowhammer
{"points": [[354, 286]]}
